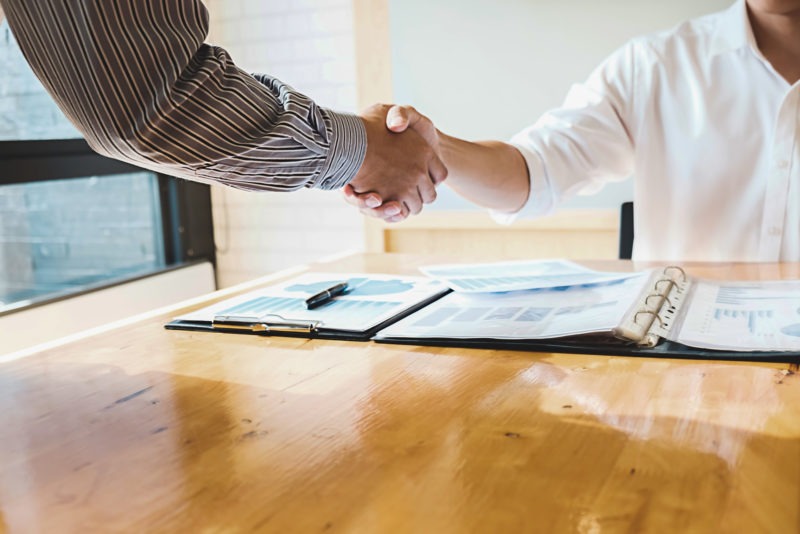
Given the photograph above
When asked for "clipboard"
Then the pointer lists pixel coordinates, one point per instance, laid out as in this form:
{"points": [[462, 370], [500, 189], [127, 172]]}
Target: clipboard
{"points": [[371, 303]]}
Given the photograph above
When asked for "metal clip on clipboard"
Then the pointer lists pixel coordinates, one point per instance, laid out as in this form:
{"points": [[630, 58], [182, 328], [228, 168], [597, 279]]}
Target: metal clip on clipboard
{"points": [[261, 324]]}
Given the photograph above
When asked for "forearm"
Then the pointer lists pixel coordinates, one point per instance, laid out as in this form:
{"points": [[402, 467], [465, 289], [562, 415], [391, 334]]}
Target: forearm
{"points": [[140, 83], [491, 174]]}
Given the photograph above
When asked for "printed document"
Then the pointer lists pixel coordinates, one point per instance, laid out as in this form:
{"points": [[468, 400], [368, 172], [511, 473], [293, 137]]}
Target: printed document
{"points": [[530, 314], [517, 275], [370, 300], [742, 316]]}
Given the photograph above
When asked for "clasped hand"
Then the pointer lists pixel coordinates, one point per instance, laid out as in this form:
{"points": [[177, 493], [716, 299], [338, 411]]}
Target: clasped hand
{"points": [[401, 168]]}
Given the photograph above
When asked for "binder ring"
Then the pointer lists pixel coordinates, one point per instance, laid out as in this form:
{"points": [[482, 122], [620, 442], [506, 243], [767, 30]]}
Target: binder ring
{"points": [[657, 295], [670, 281], [675, 268], [648, 312]]}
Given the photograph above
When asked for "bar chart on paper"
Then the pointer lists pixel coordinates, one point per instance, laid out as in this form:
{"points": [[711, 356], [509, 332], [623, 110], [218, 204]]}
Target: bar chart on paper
{"points": [[743, 316], [751, 318]]}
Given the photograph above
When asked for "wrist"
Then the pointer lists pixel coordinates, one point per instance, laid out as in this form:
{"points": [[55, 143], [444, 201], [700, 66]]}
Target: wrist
{"points": [[449, 148], [347, 150]]}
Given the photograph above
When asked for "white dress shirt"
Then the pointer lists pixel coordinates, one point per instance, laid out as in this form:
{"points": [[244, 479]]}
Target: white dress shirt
{"points": [[706, 126]]}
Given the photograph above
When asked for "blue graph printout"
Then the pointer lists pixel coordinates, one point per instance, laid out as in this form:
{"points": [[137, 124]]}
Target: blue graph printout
{"points": [[746, 316], [518, 275], [370, 300]]}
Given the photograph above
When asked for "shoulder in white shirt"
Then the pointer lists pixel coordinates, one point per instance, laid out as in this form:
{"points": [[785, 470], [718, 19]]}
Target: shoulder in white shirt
{"points": [[705, 126]]}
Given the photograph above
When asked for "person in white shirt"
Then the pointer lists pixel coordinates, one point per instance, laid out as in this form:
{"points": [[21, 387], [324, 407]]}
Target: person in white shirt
{"points": [[705, 116]]}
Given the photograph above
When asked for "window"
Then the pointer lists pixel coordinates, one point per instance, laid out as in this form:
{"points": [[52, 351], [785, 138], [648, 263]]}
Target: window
{"points": [[61, 236], [72, 221]]}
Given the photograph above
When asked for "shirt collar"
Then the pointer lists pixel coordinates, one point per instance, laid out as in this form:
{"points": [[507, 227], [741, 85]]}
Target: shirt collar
{"points": [[733, 31]]}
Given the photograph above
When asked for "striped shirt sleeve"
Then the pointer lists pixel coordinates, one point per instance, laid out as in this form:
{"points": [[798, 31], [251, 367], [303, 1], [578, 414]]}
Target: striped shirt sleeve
{"points": [[140, 83]]}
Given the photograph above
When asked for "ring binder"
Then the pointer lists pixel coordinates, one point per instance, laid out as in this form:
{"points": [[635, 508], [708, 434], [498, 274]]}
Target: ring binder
{"points": [[668, 290], [661, 312]]}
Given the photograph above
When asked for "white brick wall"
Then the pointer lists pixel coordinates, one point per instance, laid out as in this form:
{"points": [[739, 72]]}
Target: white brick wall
{"points": [[309, 45], [26, 110]]}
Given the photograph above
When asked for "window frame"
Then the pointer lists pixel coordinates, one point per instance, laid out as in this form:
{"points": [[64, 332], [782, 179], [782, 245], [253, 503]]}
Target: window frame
{"points": [[187, 224]]}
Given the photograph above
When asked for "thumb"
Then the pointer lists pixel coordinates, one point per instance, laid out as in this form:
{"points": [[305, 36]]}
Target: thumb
{"points": [[397, 118], [413, 119]]}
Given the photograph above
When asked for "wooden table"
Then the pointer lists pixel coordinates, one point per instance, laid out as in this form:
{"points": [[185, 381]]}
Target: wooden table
{"points": [[140, 429]]}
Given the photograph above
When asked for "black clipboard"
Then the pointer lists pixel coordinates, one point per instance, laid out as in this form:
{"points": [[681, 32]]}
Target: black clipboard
{"points": [[263, 326], [271, 311]]}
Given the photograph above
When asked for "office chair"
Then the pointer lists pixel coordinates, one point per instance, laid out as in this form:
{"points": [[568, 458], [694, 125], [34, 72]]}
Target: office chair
{"points": [[626, 230]]}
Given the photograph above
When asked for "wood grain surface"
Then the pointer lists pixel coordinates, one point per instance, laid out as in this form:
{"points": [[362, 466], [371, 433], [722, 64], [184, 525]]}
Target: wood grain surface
{"points": [[140, 429]]}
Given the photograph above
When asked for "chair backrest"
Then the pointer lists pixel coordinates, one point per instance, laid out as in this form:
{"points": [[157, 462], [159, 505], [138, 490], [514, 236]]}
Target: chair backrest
{"points": [[626, 230]]}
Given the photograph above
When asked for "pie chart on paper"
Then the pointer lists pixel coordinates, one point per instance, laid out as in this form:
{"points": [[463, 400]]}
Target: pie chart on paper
{"points": [[791, 330]]}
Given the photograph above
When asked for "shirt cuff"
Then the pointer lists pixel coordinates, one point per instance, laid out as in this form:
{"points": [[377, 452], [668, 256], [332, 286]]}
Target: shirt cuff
{"points": [[540, 196], [346, 153]]}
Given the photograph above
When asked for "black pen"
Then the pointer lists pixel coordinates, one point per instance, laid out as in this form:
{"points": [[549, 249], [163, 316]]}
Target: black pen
{"points": [[325, 296]]}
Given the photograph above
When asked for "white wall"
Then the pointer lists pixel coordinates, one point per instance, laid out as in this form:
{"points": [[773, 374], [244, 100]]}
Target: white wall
{"points": [[308, 44], [484, 69]]}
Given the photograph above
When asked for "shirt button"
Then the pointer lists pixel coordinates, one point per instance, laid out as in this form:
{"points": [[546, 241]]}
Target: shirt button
{"points": [[782, 164], [774, 230]]}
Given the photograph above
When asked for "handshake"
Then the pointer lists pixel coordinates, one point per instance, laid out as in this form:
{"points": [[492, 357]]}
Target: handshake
{"points": [[401, 169]]}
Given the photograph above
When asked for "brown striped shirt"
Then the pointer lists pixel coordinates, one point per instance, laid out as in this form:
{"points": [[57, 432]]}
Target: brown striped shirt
{"points": [[137, 80]]}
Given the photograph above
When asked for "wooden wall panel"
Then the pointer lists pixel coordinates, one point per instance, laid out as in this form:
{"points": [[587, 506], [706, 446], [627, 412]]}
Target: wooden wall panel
{"points": [[373, 52], [579, 234]]}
